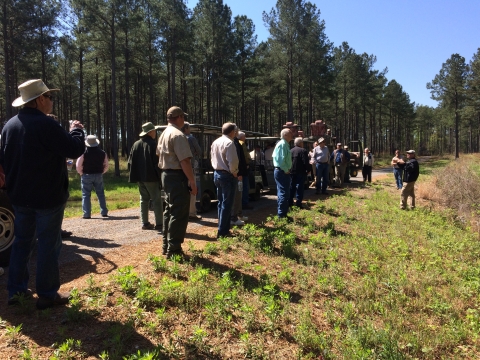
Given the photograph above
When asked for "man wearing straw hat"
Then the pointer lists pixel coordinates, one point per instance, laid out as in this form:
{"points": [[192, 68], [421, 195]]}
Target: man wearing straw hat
{"points": [[144, 170], [91, 166], [33, 152]]}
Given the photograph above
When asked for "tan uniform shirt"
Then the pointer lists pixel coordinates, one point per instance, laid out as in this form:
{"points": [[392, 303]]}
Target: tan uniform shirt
{"points": [[172, 148]]}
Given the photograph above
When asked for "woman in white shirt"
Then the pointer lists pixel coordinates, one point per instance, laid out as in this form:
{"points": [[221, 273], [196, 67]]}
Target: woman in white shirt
{"points": [[367, 165]]}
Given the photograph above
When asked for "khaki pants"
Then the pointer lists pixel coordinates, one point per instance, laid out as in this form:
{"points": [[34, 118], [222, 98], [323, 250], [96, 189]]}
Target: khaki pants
{"points": [[408, 190], [340, 174], [237, 204], [193, 199]]}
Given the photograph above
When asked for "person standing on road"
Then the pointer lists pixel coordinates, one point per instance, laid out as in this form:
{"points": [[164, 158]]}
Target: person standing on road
{"points": [[300, 169], [311, 161], [282, 162], [397, 172], [91, 166], [197, 156], [33, 143], [411, 170], [225, 163], [177, 180], [347, 168], [321, 157], [340, 160], [144, 170], [246, 177], [259, 162], [237, 218], [367, 165]]}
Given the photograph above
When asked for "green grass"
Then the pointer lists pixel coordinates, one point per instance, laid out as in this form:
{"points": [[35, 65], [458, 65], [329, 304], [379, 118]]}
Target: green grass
{"points": [[352, 277]]}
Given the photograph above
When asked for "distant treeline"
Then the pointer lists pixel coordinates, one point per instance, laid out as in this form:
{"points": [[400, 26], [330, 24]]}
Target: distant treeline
{"points": [[120, 63]]}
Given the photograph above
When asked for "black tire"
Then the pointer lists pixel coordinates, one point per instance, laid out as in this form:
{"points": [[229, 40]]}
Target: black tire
{"points": [[353, 173], [7, 236], [205, 202]]}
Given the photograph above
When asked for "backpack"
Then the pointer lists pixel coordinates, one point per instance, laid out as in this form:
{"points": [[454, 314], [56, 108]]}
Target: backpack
{"points": [[340, 157]]}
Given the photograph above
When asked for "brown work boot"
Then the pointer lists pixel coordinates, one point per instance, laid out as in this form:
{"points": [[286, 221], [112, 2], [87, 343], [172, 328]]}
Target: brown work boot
{"points": [[61, 298], [148, 226]]}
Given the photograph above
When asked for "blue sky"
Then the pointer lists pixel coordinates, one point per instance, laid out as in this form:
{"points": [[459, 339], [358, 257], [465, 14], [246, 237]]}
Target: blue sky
{"points": [[413, 38]]}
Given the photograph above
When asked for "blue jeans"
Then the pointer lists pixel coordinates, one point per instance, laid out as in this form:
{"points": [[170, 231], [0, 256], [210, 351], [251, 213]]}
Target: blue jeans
{"points": [[225, 183], [398, 177], [30, 224], [90, 182], [322, 176], [283, 191], [297, 187]]}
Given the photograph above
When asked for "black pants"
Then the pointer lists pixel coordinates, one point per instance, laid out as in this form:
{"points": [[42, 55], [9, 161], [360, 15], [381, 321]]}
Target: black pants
{"points": [[367, 173]]}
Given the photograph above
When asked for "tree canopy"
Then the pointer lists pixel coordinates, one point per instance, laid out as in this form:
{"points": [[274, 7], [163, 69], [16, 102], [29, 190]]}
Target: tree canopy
{"points": [[121, 63]]}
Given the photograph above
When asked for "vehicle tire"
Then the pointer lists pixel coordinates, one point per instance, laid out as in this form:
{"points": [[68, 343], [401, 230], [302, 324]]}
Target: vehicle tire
{"points": [[7, 236], [205, 202], [256, 195], [353, 173]]}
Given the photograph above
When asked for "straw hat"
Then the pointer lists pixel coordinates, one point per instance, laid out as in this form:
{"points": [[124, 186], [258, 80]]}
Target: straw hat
{"points": [[31, 90], [92, 141]]}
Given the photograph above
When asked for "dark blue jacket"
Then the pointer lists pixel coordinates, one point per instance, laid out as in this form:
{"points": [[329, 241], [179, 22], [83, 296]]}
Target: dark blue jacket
{"points": [[411, 170], [33, 151]]}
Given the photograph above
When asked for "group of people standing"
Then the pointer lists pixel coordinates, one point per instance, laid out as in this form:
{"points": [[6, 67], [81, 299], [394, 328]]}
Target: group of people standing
{"points": [[34, 148]]}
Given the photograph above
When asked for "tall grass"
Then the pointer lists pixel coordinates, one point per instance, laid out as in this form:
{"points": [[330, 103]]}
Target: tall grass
{"points": [[457, 186]]}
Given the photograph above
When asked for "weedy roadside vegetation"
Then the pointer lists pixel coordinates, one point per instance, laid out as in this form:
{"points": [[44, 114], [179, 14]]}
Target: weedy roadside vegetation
{"points": [[457, 187], [351, 277]]}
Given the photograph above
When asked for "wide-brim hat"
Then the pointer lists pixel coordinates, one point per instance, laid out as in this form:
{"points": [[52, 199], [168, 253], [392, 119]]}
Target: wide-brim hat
{"points": [[31, 90], [92, 141], [147, 127], [411, 152], [321, 140]]}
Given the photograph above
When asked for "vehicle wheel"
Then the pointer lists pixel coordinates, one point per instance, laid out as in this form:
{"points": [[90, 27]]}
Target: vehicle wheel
{"points": [[6, 229], [354, 173], [205, 202]]}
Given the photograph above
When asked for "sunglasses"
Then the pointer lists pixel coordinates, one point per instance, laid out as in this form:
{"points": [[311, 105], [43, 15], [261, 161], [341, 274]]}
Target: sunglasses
{"points": [[49, 96]]}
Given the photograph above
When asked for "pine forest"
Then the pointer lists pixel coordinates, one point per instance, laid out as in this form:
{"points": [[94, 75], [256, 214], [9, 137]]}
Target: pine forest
{"points": [[121, 63]]}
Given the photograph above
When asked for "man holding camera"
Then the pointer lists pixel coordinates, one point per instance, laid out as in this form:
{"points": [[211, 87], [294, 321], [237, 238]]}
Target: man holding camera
{"points": [[33, 151], [411, 170]]}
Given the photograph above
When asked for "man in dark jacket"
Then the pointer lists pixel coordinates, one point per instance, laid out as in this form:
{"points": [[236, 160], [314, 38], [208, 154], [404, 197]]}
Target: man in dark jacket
{"points": [[91, 166], [34, 148], [143, 166], [300, 168], [411, 170], [237, 218]]}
